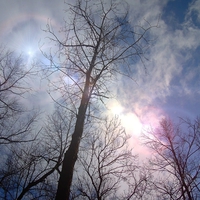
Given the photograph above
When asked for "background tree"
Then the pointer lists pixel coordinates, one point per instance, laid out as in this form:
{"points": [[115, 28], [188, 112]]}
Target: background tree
{"points": [[106, 167], [176, 150], [99, 44], [15, 122], [30, 169], [23, 175], [22, 164]]}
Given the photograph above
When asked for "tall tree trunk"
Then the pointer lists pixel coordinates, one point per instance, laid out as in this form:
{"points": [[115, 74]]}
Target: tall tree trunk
{"points": [[65, 180]]}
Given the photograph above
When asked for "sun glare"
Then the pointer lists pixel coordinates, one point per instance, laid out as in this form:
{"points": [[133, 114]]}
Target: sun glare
{"points": [[129, 120], [30, 53], [132, 124], [115, 108]]}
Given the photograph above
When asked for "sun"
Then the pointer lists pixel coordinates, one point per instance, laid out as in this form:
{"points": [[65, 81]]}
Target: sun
{"points": [[132, 124], [115, 108], [30, 52], [129, 120]]}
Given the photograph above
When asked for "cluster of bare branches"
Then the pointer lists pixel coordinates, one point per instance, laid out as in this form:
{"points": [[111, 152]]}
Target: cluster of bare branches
{"points": [[78, 154], [13, 78], [16, 123], [99, 43], [176, 149], [29, 169], [106, 166]]}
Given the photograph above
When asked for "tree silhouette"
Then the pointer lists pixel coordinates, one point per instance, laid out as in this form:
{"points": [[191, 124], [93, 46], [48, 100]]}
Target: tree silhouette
{"points": [[106, 167], [29, 170], [14, 121], [175, 159], [99, 44], [17, 121]]}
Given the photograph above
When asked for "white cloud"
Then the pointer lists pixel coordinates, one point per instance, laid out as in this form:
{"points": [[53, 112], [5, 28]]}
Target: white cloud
{"points": [[141, 10], [194, 9], [165, 65], [165, 57]]}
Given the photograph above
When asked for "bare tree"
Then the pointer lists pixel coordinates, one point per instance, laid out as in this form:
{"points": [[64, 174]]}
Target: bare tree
{"points": [[18, 132], [106, 167], [15, 123], [99, 43], [176, 150], [26, 161], [23, 173], [30, 169]]}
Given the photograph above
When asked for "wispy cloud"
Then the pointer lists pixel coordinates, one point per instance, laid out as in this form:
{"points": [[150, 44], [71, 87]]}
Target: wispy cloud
{"points": [[171, 76], [172, 71]]}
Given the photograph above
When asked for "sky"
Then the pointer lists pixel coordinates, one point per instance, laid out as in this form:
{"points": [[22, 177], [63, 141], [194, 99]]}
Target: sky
{"points": [[170, 85]]}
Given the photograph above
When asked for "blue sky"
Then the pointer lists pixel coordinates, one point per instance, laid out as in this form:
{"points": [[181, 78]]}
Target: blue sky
{"points": [[171, 84], [176, 9]]}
